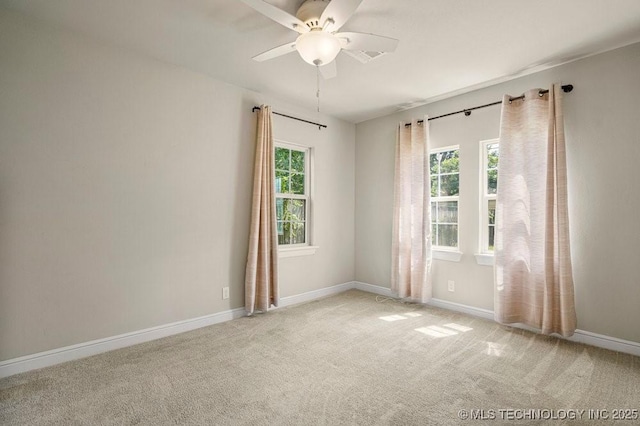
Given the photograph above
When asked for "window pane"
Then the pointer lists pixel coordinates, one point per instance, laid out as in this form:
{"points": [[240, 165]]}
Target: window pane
{"points": [[448, 235], [282, 159], [449, 185], [284, 232], [492, 156], [434, 235], [282, 182], [449, 162], [448, 212], [290, 178], [433, 211], [492, 181], [280, 210], [492, 229], [433, 164], [297, 161], [295, 210], [297, 233], [297, 183], [492, 212], [434, 186]]}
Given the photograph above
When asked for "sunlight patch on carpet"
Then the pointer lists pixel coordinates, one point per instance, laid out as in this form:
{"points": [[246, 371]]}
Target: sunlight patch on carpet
{"points": [[436, 331], [392, 318], [495, 349]]}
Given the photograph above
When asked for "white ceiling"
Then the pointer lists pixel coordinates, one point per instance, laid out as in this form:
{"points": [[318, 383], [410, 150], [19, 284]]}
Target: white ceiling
{"points": [[446, 46]]}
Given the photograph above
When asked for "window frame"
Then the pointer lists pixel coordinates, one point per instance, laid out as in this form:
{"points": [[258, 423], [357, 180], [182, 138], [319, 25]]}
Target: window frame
{"points": [[485, 197], [287, 250], [456, 198]]}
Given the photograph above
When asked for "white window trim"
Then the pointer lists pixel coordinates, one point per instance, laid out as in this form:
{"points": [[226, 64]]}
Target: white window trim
{"points": [[484, 259], [306, 249], [296, 251], [448, 255], [452, 254], [484, 256]]}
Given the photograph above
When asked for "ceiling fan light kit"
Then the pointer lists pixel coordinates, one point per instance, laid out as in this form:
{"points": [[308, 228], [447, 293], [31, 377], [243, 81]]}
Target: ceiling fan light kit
{"points": [[317, 22], [318, 47]]}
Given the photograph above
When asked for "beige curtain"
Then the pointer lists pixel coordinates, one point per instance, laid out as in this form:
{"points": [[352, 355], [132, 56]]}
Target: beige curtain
{"points": [[261, 279], [534, 283], [411, 245]]}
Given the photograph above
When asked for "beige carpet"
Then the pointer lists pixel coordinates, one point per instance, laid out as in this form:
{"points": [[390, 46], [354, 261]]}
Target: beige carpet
{"points": [[346, 359]]}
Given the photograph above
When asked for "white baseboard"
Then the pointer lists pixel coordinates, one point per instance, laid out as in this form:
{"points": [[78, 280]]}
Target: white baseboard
{"points": [[315, 294], [592, 339], [376, 289], [458, 307], [606, 342], [580, 336], [94, 347]]}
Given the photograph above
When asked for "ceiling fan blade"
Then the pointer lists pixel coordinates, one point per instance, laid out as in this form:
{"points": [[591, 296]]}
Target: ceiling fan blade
{"points": [[275, 52], [358, 55], [278, 15], [337, 13], [367, 42], [329, 71]]}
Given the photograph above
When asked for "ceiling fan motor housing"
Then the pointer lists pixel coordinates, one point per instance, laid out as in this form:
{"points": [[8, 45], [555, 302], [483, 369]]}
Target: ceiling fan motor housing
{"points": [[310, 11]]}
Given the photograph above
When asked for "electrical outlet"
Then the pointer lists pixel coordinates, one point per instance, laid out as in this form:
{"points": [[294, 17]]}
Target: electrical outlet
{"points": [[451, 286], [225, 292]]}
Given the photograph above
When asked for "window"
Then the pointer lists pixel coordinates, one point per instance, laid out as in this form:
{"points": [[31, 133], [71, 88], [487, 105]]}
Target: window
{"points": [[445, 190], [292, 194], [489, 169]]}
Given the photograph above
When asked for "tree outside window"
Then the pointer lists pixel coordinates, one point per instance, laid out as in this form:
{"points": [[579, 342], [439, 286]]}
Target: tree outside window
{"points": [[444, 167], [489, 169], [291, 195]]}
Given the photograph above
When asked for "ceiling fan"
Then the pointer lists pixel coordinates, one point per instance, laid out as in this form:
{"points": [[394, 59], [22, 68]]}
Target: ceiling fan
{"points": [[319, 42]]}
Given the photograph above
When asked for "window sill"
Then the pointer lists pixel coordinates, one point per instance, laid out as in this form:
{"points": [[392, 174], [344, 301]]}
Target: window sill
{"points": [[297, 251], [484, 259], [448, 255]]}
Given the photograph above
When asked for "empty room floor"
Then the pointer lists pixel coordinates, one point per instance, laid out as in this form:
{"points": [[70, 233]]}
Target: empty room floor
{"points": [[353, 358]]}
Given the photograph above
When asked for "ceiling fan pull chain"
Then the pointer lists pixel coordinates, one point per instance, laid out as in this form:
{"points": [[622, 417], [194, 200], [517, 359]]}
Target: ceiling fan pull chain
{"points": [[318, 86]]}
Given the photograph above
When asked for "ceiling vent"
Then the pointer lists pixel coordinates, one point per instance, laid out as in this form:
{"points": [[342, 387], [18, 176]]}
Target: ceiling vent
{"points": [[363, 56]]}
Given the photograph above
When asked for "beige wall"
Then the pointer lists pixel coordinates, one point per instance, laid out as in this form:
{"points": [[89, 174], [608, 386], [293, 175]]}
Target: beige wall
{"points": [[603, 143], [125, 182], [125, 191]]}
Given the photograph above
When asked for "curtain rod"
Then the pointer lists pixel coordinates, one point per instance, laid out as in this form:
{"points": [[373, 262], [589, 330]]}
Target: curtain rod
{"points": [[320, 126], [467, 111]]}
